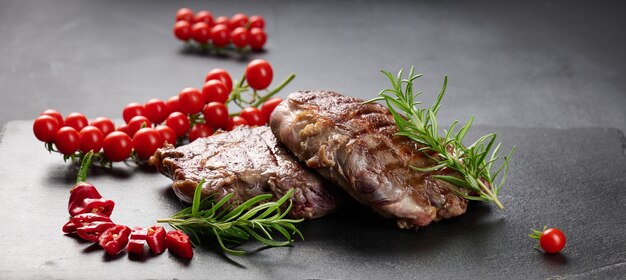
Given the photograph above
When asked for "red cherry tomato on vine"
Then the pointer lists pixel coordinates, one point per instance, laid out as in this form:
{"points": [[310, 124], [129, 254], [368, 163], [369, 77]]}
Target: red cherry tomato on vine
{"points": [[104, 124], [220, 75], [123, 128], [133, 109], [182, 30], [238, 20], [136, 123], [76, 120], [201, 32], [239, 36], [67, 140], [204, 16], [156, 110], [117, 146], [167, 134], [214, 91], [185, 14], [173, 105], [234, 122], [146, 141], [191, 100], [253, 116], [216, 115], [259, 74], [178, 122], [256, 22], [220, 35], [552, 240], [45, 128], [199, 130], [223, 20], [54, 114], [268, 107], [90, 138], [257, 39]]}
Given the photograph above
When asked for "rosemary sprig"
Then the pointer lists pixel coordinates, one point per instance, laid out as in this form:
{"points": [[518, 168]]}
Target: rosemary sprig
{"points": [[256, 218], [473, 163]]}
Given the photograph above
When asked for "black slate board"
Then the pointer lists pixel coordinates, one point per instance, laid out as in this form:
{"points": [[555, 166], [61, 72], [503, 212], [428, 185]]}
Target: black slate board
{"points": [[570, 178]]}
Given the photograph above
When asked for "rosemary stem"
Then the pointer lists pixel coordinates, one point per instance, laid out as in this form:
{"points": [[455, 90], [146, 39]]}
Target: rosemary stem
{"points": [[490, 194]]}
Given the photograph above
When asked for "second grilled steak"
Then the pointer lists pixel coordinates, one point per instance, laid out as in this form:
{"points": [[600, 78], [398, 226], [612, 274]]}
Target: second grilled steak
{"points": [[247, 162], [353, 145]]}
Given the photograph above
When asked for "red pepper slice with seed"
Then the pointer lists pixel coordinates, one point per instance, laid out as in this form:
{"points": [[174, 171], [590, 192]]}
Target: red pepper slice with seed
{"points": [[137, 240], [156, 239], [114, 239], [82, 220], [178, 243], [85, 198], [94, 230]]}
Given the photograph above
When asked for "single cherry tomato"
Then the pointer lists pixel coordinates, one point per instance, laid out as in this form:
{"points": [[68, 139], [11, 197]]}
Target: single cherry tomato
{"points": [[216, 115], [123, 128], [238, 20], [156, 239], [173, 105], [55, 114], [182, 30], [117, 146], [239, 36], [214, 91], [105, 125], [45, 128], [220, 35], [201, 32], [178, 122], [268, 107], [204, 16], [76, 120], [146, 141], [191, 100], [114, 239], [234, 122], [257, 39], [259, 74], [256, 22], [253, 116], [90, 138], [224, 20], [221, 75], [156, 110], [178, 243], [136, 123], [168, 134], [133, 109], [67, 140], [185, 14], [552, 240], [199, 130]]}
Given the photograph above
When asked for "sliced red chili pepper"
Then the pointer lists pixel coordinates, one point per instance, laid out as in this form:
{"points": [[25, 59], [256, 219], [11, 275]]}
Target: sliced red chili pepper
{"points": [[156, 239], [85, 198], [178, 243], [94, 230], [137, 240], [84, 219], [114, 239]]}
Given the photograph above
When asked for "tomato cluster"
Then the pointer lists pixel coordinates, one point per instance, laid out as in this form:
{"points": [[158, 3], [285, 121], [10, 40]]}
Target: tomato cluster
{"points": [[202, 30], [185, 117]]}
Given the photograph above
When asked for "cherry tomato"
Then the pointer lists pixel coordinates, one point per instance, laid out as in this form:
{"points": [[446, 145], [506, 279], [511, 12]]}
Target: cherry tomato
{"points": [[238, 20], [67, 140], [214, 91], [199, 130], [234, 122], [216, 115], [201, 32], [256, 22], [204, 16], [76, 120], [117, 146], [178, 122], [133, 109], [167, 134], [156, 110], [182, 30], [173, 105], [104, 124], [257, 38], [223, 20], [90, 138], [123, 128], [221, 75], [239, 36], [191, 100], [136, 123], [268, 107], [253, 116], [45, 127], [146, 141], [220, 35], [185, 14], [259, 74], [552, 240], [54, 114]]}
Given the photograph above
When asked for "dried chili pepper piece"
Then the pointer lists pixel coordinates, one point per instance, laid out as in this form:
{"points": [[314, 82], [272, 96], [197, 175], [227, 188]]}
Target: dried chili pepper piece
{"points": [[156, 239], [178, 243], [114, 239], [94, 230]]}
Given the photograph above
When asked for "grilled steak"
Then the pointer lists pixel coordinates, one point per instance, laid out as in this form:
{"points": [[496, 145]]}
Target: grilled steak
{"points": [[247, 162], [353, 145]]}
